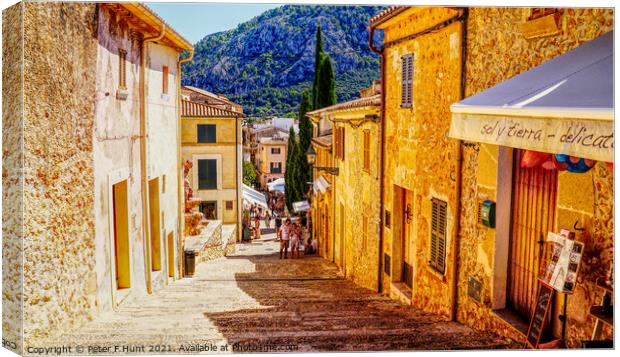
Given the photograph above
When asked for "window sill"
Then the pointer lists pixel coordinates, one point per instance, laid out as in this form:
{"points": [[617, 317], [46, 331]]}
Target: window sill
{"points": [[441, 277]]}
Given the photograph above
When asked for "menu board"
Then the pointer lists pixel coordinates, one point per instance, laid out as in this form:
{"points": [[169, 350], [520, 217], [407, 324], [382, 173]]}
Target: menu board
{"points": [[539, 318], [561, 273]]}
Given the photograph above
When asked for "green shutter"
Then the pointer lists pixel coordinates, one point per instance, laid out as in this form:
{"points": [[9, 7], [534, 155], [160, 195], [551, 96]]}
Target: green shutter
{"points": [[206, 133], [207, 174]]}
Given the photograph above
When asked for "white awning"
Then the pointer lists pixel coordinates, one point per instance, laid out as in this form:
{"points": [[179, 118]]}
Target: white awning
{"points": [[301, 206], [276, 185], [250, 196], [320, 185], [563, 106]]}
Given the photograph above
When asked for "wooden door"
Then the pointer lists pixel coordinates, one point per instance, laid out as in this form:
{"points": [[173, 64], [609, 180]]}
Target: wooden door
{"points": [[407, 217], [533, 215]]}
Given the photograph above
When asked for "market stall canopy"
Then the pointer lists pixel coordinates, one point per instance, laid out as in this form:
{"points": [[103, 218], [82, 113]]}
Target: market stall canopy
{"points": [[250, 195], [301, 206], [320, 185], [563, 106], [276, 185]]}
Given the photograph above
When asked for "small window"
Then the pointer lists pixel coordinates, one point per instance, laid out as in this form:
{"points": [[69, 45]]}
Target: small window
{"points": [[122, 74], [439, 214], [229, 205], [163, 184], [207, 174], [275, 151], [275, 167], [367, 150], [407, 81], [164, 84], [206, 133], [339, 142], [388, 219]]}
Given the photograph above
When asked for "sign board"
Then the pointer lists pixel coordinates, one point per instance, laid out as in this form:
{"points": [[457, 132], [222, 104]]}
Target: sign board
{"points": [[561, 273], [539, 317], [586, 138]]}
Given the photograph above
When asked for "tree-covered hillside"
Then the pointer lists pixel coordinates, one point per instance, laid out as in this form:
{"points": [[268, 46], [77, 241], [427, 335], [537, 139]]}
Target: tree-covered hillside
{"points": [[266, 63]]}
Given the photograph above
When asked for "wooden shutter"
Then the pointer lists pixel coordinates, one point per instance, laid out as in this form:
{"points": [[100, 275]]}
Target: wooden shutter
{"points": [[122, 75], [342, 140], [164, 83], [407, 80], [438, 235], [365, 232], [206, 133], [207, 174]]}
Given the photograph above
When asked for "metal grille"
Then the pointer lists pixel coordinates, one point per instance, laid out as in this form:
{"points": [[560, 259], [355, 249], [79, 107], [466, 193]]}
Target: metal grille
{"points": [[438, 235], [534, 198]]}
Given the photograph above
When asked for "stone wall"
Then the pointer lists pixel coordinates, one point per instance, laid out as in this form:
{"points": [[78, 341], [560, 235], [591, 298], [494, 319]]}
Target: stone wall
{"points": [[496, 51], [60, 52], [12, 177], [420, 160]]}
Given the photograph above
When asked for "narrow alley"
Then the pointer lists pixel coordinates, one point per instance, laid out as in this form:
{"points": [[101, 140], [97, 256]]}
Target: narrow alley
{"points": [[256, 302]]}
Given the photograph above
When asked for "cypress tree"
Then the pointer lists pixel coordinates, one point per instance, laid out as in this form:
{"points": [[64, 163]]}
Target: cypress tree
{"points": [[305, 137], [318, 58], [327, 84], [289, 174]]}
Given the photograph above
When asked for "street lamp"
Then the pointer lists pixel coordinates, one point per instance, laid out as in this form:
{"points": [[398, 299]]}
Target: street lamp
{"points": [[311, 155]]}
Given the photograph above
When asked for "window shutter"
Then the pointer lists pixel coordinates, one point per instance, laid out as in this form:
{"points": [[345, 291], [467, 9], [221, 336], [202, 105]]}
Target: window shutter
{"points": [[342, 143], [438, 235], [403, 82], [407, 80], [367, 150], [207, 174], [206, 133]]}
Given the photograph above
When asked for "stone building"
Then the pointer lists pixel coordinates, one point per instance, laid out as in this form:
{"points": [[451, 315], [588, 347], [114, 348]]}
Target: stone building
{"points": [[100, 167], [355, 128], [199, 95], [211, 140], [436, 187]]}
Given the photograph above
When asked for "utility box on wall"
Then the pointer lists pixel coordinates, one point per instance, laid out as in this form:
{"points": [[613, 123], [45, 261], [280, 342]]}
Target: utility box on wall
{"points": [[487, 213]]}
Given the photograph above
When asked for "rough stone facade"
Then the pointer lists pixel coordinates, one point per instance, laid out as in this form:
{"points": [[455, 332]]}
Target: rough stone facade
{"points": [[420, 160], [495, 53], [12, 176], [322, 203], [60, 53]]}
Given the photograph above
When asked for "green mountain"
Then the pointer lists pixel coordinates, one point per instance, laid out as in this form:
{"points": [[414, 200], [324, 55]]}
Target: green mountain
{"points": [[266, 63]]}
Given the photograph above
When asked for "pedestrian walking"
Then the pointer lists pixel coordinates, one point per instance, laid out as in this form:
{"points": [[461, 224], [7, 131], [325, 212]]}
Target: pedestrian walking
{"points": [[295, 237], [256, 227], [278, 223], [285, 237], [268, 220]]}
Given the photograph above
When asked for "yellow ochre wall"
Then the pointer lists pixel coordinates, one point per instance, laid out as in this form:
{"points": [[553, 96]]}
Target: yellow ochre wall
{"points": [[322, 205], [496, 51], [418, 155], [227, 150], [358, 191]]}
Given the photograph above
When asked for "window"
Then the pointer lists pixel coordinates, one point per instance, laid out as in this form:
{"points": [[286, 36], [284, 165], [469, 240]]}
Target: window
{"points": [[407, 81], [367, 150], [229, 205], [164, 84], [275, 167], [163, 184], [122, 74], [207, 174], [339, 142], [437, 259], [275, 150], [206, 133]]}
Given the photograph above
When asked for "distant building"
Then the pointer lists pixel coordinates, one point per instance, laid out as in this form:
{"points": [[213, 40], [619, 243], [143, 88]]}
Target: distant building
{"points": [[199, 95], [100, 164], [211, 140], [271, 162]]}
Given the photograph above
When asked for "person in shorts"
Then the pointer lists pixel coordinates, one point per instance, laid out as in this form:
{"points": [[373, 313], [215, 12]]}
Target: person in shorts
{"points": [[285, 231], [278, 223], [295, 235]]}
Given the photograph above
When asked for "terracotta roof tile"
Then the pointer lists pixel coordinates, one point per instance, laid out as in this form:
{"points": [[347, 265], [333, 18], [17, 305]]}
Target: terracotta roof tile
{"points": [[386, 14], [374, 100], [193, 109]]}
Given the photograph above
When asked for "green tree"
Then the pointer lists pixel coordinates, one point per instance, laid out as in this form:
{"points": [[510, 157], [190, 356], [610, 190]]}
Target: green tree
{"points": [[318, 58], [249, 173], [290, 173], [305, 137], [326, 84]]}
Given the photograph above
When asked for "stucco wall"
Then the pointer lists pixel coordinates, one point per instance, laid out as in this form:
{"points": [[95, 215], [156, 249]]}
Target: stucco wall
{"points": [[12, 176], [418, 155], [60, 52], [162, 144], [117, 148], [497, 52]]}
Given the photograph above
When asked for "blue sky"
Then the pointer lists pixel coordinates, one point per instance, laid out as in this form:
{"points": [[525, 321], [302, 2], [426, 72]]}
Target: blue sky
{"points": [[196, 20]]}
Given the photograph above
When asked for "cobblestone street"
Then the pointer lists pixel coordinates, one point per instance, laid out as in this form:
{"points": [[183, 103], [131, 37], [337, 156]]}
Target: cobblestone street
{"points": [[253, 298]]}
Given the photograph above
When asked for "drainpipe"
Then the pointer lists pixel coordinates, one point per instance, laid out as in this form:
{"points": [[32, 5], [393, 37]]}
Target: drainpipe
{"points": [[459, 178], [143, 158], [381, 154], [237, 179], [181, 185]]}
